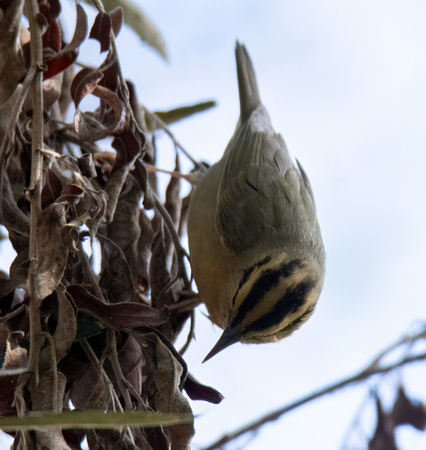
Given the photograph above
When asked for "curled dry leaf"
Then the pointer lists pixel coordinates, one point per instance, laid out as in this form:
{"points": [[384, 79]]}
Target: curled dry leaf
{"points": [[117, 19], [66, 327], [16, 356], [87, 166], [119, 277], [101, 30], [408, 412], [91, 209], [199, 391], [51, 190], [84, 83], [65, 57], [384, 434], [52, 248], [173, 207], [144, 251], [162, 387], [90, 390], [131, 362], [11, 216], [140, 23], [52, 254], [158, 271], [93, 127], [116, 316], [128, 147], [11, 62]]}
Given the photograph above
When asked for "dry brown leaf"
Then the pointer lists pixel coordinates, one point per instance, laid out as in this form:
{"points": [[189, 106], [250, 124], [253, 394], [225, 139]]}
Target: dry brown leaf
{"points": [[52, 254], [66, 327], [144, 250], [101, 30], [116, 316], [131, 362], [11, 63], [163, 388]]}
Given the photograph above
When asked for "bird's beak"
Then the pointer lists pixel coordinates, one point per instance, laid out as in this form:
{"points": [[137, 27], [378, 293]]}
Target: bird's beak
{"points": [[229, 336]]}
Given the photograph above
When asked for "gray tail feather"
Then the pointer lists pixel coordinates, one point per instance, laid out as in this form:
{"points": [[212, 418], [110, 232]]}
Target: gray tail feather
{"points": [[247, 84]]}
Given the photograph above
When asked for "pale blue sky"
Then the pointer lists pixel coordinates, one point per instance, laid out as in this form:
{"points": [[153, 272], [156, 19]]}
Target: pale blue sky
{"points": [[345, 84]]}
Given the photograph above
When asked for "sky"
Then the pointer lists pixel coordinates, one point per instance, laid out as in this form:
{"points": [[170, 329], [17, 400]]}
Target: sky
{"points": [[345, 84]]}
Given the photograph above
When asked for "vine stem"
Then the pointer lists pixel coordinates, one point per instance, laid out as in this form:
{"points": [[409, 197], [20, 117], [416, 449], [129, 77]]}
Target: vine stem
{"points": [[34, 191]]}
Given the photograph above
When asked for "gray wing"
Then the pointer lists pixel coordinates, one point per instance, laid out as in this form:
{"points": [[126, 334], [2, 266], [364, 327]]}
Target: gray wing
{"points": [[263, 199]]}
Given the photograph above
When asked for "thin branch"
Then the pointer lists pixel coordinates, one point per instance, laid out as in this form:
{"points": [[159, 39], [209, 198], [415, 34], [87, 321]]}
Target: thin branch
{"points": [[34, 191], [367, 372], [166, 129]]}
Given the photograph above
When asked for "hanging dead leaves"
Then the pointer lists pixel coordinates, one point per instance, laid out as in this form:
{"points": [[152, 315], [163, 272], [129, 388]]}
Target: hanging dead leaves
{"points": [[106, 330]]}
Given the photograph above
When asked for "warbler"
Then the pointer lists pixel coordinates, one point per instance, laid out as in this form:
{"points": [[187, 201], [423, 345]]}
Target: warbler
{"points": [[256, 250]]}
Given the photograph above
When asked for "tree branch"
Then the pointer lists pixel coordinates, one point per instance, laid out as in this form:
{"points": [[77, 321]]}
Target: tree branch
{"points": [[371, 369]]}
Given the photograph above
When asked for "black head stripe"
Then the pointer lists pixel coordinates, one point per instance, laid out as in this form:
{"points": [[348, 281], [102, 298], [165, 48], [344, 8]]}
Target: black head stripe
{"points": [[289, 303], [266, 281], [247, 273]]}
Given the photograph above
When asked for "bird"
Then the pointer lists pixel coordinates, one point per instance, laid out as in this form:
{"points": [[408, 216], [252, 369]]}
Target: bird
{"points": [[255, 245]]}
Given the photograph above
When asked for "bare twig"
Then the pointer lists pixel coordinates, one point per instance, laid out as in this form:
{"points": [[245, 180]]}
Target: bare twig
{"points": [[166, 129], [370, 370], [34, 191]]}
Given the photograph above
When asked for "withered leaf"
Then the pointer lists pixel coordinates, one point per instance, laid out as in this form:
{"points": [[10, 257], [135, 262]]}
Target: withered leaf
{"points": [[384, 434], [140, 23], [52, 254], [84, 83], [158, 272], [19, 269], [59, 63], [162, 386], [173, 201], [51, 190], [91, 208], [128, 147], [406, 411], [16, 356], [66, 327], [11, 62], [64, 58], [95, 126], [144, 250], [71, 194], [48, 13], [131, 362], [101, 30], [199, 391], [89, 390], [117, 18], [116, 316], [87, 166], [120, 273]]}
